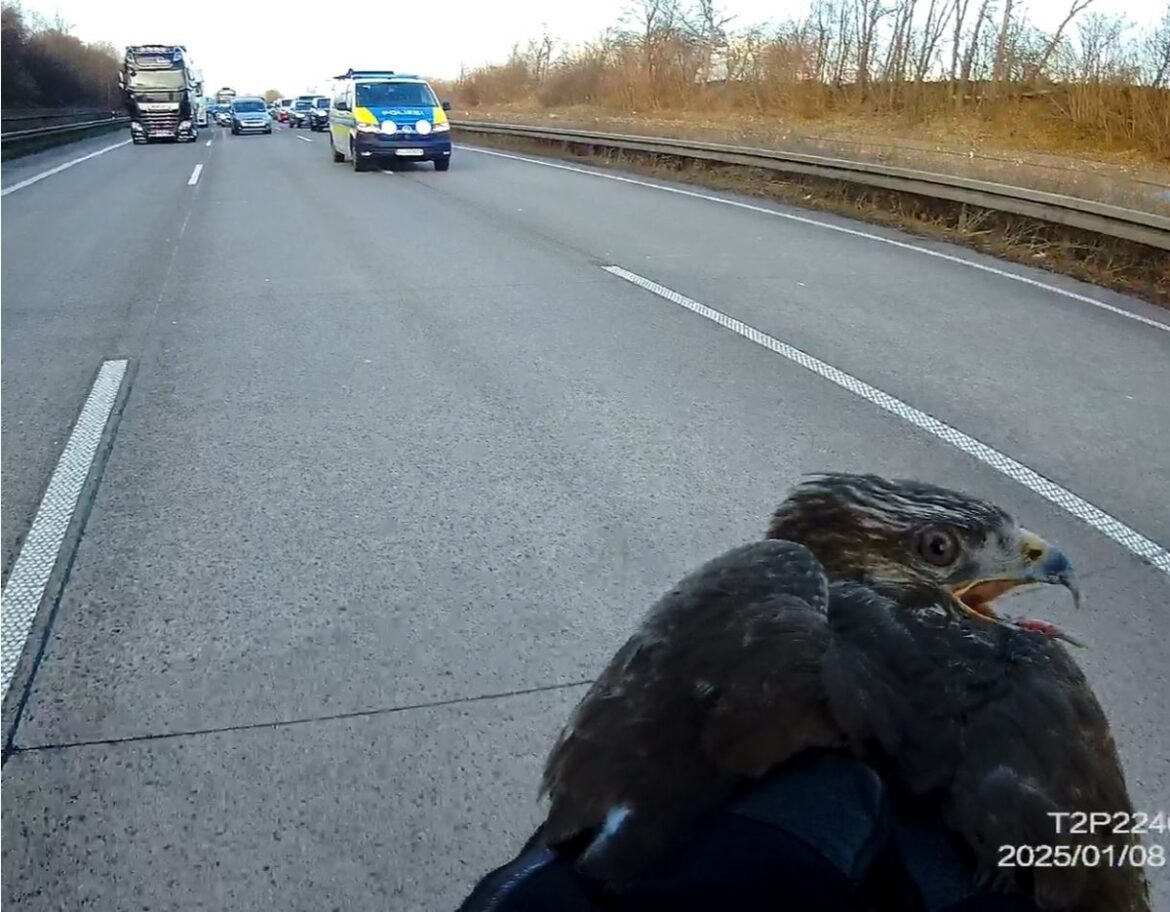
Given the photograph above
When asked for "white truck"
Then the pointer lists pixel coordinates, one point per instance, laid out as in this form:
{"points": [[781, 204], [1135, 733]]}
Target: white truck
{"points": [[200, 101]]}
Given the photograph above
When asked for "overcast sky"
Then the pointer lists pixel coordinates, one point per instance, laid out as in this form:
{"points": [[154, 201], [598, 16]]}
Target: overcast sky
{"points": [[237, 44]]}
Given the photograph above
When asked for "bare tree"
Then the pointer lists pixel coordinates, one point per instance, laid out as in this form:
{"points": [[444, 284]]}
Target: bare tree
{"points": [[938, 16], [656, 25], [1000, 66], [868, 14], [898, 50], [847, 30], [1100, 48], [708, 25], [1155, 54], [538, 55], [984, 15], [961, 7], [1075, 9]]}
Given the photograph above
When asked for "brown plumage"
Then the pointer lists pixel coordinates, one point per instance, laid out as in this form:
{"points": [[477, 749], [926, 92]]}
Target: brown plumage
{"points": [[863, 624]]}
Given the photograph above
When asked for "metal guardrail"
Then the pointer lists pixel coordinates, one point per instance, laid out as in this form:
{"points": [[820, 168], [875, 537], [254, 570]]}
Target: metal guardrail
{"points": [[75, 115], [34, 133], [1114, 221]]}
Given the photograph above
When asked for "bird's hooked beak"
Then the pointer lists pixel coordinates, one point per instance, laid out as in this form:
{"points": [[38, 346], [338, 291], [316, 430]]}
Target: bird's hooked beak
{"points": [[1029, 560]]}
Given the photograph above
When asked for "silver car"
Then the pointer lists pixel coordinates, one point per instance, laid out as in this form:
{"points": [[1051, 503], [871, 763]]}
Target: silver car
{"points": [[250, 115]]}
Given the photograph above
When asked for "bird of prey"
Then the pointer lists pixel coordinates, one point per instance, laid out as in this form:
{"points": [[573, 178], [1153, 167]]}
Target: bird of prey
{"points": [[864, 623]]}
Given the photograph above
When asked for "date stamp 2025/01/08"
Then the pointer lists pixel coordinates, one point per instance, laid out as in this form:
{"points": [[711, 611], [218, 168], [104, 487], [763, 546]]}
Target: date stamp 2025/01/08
{"points": [[1144, 851]]}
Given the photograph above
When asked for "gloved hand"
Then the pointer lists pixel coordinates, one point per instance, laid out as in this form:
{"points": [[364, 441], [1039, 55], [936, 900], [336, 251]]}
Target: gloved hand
{"points": [[824, 833]]}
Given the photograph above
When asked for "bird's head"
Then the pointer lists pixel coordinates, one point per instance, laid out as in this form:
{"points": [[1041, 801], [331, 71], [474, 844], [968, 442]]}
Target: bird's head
{"points": [[911, 538]]}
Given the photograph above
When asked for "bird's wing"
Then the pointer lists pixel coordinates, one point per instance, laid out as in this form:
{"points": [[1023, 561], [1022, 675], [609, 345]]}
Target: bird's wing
{"points": [[721, 681], [1041, 745], [894, 700], [767, 694]]}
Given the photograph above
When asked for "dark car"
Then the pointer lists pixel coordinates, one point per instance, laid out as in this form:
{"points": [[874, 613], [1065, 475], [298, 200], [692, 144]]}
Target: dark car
{"points": [[319, 114], [298, 114], [250, 115]]}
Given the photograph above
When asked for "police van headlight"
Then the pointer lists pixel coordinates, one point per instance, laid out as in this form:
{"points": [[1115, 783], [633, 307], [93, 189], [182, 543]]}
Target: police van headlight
{"points": [[441, 128], [368, 128]]}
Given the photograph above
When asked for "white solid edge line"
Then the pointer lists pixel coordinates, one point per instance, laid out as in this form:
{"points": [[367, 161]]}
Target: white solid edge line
{"points": [[194, 178], [804, 220], [304, 139], [38, 555], [69, 164], [1130, 539]]}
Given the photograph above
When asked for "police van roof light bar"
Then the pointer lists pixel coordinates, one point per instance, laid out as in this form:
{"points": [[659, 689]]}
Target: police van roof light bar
{"points": [[365, 74]]}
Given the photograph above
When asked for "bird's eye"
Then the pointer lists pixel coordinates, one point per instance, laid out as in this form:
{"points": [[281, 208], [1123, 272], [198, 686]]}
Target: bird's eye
{"points": [[938, 547]]}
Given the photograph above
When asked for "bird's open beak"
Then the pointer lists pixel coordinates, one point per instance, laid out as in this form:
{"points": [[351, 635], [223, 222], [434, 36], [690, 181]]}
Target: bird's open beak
{"points": [[1031, 561]]}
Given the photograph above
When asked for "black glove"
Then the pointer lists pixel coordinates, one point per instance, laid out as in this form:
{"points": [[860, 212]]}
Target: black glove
{"points": [[819, 834]]}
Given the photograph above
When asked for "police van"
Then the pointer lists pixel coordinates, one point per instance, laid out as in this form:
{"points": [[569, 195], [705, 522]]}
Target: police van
{"points": [[379, 115]]}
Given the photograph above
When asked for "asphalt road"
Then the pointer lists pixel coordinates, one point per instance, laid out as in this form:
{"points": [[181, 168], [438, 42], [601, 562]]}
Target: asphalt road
{"points": [[401, 464]]}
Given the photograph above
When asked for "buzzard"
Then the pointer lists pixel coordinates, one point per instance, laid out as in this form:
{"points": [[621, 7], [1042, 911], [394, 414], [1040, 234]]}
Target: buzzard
{"points": [[863, 623]]}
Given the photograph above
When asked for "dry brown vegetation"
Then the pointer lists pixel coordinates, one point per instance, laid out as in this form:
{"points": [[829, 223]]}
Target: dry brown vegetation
{"points": [[966, 87], [43, 66], [971, 72]]}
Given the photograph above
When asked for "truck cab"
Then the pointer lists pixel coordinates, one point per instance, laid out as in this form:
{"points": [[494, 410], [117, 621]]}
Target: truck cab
{"points": [[158, 88]]}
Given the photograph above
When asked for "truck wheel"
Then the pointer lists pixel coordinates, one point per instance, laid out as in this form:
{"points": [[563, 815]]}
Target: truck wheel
{"points": [[442, 164]]}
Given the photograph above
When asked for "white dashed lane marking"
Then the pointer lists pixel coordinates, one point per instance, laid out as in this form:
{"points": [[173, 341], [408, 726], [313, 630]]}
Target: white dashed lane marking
{"points": [[805, 220], [38, 555], [1130, 539], [194, 178]]}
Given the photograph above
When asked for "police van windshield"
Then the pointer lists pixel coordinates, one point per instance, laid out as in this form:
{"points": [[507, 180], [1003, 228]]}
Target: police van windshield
{"points": [[389, 94]]}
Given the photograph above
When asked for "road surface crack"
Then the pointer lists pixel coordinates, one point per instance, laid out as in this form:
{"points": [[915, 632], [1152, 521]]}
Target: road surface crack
{"points": [[304, 720]]}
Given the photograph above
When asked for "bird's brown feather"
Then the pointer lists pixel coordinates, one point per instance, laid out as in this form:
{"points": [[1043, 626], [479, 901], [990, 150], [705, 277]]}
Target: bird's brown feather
{"points": [[639, 740], [757, 656]]}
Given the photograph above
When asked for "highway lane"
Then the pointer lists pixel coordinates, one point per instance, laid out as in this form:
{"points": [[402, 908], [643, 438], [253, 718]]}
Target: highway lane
{"points": [[399, 453], [86, 253], [1072, 390]]}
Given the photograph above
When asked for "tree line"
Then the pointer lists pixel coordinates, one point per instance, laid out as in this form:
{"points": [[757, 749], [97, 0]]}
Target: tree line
{"points": [[1096, 73], [43, 66]]}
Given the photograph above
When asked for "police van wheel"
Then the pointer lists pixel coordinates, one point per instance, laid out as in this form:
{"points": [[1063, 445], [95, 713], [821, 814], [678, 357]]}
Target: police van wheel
{"points": [[359, 164], [442, 164]]}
